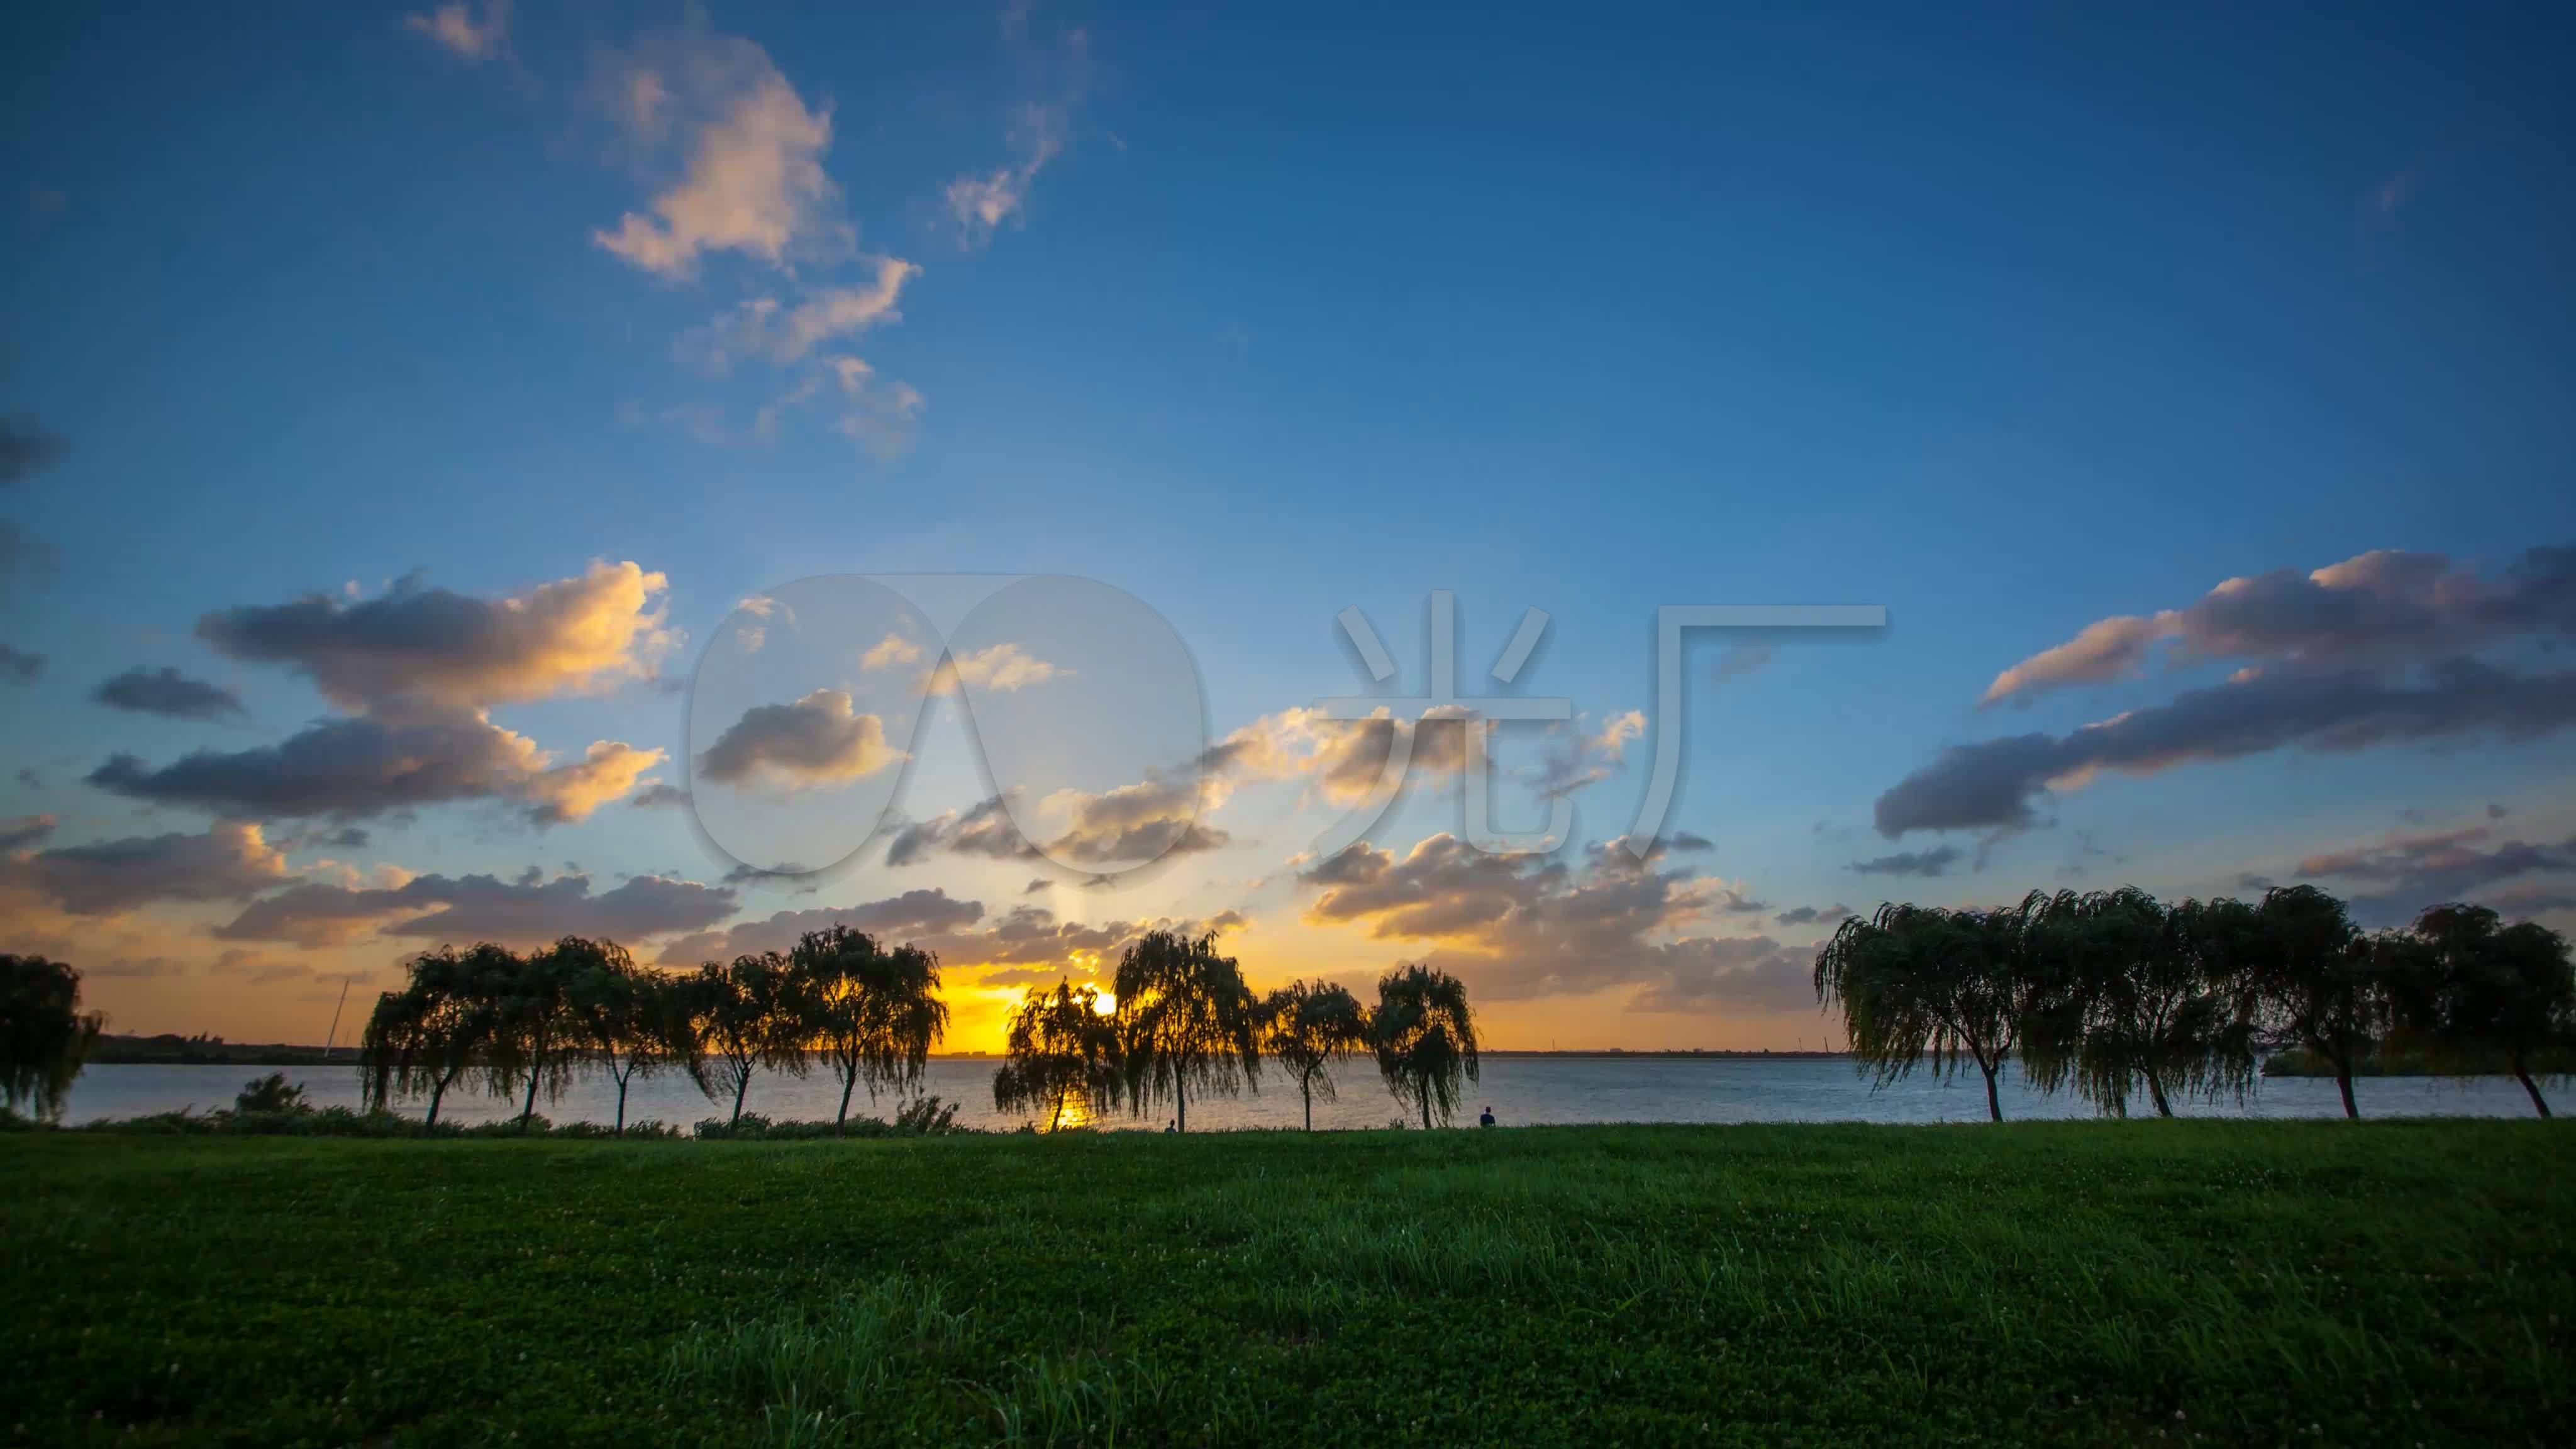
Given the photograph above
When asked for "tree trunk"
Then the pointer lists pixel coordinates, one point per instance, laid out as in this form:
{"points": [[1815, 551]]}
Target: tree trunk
{"points": [[1306, 1089], [2528, 1085], [1181, 1100], [2156, 1089], [1057, 1120], [621, 1100], [437, 1093], [1994, 1104], [847, 1082], [741, 1087], [2343, 1080], [1424, 1092], [528, 1108]]}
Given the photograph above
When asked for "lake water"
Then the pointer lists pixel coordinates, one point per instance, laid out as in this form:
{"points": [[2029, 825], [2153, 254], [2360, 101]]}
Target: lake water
{"points": [[1521, 1090]]}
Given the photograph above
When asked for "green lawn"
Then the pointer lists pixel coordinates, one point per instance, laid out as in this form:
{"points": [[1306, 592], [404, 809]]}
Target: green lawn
{"points": [[2082, 1283]]}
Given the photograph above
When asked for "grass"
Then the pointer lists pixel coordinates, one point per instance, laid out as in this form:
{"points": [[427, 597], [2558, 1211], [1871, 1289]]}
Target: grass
{"points": [[2079, 1283]]}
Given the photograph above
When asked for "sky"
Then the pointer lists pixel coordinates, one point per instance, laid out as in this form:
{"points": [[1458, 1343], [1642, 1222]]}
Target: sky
{"points": [[448, 450]]}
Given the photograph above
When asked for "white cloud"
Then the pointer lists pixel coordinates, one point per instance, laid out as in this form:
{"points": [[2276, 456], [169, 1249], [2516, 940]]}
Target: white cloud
{"points": [[889, 652], [753, 181], [452, 27], [1001, 669], [980, 203]]}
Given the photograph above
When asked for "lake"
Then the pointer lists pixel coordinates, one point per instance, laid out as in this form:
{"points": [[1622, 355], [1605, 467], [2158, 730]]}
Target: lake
{"points": [[1521, 1090]]}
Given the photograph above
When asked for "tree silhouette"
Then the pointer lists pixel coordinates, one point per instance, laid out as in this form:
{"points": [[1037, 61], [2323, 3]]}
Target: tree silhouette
{"points": [[2318, 982], [535, 1033], [876, 1012], [423, 1037], [1919, 981], [44, 1035], [626, 1019], [1060, 1049], [1425, 1038], [1308, 1025], [745, 1016], [1186, 1021], [2468, 992], [2134, 991]]}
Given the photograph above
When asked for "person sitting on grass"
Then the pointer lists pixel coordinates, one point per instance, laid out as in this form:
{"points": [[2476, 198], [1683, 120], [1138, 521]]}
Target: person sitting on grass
{"points": [[1486, 1117]]}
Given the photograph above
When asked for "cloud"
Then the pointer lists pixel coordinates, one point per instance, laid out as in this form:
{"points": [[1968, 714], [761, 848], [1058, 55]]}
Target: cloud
{"points": [[1996, 783], [981, 202], [913, 915], [818, 740], [752, 180], [658, 793], [27, 449], [1590, 759], [19, 832], [18, 666], [1135, 823], [786, 334], [169, 693], [1812, 915], [1519, 927], [452, 27], [1344, 758], [999, 669], [878, 415], [605, 772], [1936, 861], [481, 908], [1141, 822], [230, 861], [984, 830], [2406, 872], [2102, 651], [421, 643], [891, 651], [2379, 610], [359, 767]]}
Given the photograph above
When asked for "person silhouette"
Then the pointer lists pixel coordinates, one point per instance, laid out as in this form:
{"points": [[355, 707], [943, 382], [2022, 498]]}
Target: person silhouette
{"points": [[1486, 1118], [1170, 1125]]}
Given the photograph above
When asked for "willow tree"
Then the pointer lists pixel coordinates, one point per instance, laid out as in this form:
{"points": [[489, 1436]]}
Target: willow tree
{"points": [[876, 1012], [1309, 1025], [44, 1035], [428, 1034], [2135, 992], [745, 1016], [628, 1020], [1061, 1048], [2474, 994], [1424, 1036], [2318, 982], [536, 1035], [1919, 983], [1186, 1021]]}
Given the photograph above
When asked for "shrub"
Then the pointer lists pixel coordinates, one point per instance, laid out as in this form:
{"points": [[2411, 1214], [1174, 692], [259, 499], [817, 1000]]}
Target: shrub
{"points": [[271, 1094]]}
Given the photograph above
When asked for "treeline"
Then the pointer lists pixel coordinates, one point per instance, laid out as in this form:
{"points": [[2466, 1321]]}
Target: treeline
{"points": [[524, 1026], [2119, 995], [1182, 1023], [1185, 1025]]}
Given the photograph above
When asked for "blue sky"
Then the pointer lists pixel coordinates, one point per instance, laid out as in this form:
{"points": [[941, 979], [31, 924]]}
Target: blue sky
{"points": [[2011, 325]]}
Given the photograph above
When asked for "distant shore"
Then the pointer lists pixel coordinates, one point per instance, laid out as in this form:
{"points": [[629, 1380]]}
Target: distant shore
{"points": [[175, 1050]]}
